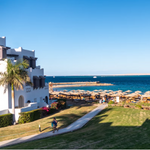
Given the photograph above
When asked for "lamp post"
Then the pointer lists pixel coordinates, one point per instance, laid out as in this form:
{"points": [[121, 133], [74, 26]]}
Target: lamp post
{"points": [[39, 128]]}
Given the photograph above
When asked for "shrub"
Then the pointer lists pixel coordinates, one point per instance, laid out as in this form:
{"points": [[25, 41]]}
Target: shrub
{"points": [[30, 116], [45, 111], [111, 102], [62, 103], [138, 106], [51, 111], [6, 120], [54, 105]]}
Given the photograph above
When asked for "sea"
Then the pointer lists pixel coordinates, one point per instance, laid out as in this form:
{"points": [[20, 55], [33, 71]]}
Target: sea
{"points": [[124, 83]]}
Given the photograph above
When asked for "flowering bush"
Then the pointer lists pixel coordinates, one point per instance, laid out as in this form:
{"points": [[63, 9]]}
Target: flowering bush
{"points": [[45, 108], [54, 105], [45, 111]]}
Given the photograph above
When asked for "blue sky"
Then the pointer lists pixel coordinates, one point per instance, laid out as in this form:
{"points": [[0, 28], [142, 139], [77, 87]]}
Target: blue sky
{"points": [[81, 37]]}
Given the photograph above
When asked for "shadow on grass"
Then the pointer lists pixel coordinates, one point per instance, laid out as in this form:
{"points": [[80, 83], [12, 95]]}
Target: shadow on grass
{"points": [[98, 135], [65, 119]]}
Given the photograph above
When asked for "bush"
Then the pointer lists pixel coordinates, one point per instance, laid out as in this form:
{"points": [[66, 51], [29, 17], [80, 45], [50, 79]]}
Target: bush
{"points": [[6, 120], [111, 102], [54, 105], [51, 111], [138, 106], [62, 103], [30, 116], [45, 111]]}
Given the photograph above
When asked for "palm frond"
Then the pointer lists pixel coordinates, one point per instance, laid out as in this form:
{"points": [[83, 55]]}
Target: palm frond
{"points": [[16, 74]]}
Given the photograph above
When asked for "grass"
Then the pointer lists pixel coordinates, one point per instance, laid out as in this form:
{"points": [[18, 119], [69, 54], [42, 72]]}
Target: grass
{"points": [[64, 117], [114, 127]]}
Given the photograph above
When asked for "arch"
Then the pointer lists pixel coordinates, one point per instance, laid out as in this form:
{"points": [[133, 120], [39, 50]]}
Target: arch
{"points": [[21, 101], [46, 99]]}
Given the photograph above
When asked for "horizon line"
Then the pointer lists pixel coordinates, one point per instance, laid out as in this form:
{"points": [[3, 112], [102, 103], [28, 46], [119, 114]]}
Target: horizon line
{"points": [[131, 74]]}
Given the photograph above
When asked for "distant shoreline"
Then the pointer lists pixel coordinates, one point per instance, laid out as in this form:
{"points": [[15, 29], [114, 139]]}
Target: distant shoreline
{"points": [[136, 74]]}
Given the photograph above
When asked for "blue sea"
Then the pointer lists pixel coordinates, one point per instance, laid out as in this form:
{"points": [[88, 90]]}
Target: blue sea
{"points": [[133, 83]]}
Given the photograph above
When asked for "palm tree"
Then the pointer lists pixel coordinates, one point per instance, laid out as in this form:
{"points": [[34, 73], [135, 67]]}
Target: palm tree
{"points": [[15, 76]]}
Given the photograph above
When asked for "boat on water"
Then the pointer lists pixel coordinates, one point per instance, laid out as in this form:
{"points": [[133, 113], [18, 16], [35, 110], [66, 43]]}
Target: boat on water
{"points": [[95, 77], [53, 76]]}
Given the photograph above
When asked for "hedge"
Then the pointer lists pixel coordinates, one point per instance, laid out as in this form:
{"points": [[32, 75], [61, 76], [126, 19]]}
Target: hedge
{"points": [[30, 116], [6, 120], [33, 115]]}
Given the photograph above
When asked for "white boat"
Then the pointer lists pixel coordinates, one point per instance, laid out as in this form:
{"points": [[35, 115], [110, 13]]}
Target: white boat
{"points": [[95, 77], [53, 76]]}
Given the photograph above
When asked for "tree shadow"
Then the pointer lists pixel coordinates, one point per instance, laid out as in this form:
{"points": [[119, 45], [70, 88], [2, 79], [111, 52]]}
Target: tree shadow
{"points": [[97, 134], [65, 119]]}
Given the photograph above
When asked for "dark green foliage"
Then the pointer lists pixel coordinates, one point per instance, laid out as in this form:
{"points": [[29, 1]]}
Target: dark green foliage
{"points": [[30, 116], [6, 120], [62, 103], [52, 111], [33, 115], [42, 112]]}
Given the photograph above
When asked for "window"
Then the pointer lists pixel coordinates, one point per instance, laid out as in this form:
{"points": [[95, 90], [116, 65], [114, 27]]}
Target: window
{"points": [[41, 99], [35, 100]]}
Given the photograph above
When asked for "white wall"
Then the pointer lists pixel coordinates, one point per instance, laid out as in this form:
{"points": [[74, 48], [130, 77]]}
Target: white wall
{"points": [[21, 52], [31, 106], [4, 112], [17, 111], [3, 90], [28, 92]]}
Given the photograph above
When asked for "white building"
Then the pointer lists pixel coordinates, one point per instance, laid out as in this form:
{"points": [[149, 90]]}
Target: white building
{"points": [[30, 97]]}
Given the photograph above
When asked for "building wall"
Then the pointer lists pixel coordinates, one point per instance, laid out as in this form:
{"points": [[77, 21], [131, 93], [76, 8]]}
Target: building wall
{"points": [[28, 93], [4, 112], [21, 52], [3, 41], [3, 90], [34, 95]]}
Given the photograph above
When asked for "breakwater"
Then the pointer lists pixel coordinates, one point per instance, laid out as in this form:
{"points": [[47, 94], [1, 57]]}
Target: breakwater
{"points": [[77, 84]]}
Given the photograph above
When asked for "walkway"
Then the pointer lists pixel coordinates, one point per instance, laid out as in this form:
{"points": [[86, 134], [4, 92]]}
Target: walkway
{"points": [[74, 126]]}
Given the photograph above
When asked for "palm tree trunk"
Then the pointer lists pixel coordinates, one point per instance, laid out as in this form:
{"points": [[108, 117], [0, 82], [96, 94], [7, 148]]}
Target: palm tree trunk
{"points": [[13, 102]]}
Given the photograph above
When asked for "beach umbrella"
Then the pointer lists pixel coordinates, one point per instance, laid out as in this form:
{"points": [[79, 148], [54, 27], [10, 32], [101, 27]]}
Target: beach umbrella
{"points": [[124, 93], [65, 90], [88, 92], [111, 92], [95, 90], [138, 92], [100, 90], [147, 93], [119, 90], [128, 91]]}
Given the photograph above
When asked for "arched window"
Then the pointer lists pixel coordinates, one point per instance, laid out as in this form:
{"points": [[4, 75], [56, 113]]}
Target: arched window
{"points": [[21, 101], [46, 99]]}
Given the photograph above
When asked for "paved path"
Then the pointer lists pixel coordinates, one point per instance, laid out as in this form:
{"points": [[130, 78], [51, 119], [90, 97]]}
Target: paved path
{"points": [[74, 126]]}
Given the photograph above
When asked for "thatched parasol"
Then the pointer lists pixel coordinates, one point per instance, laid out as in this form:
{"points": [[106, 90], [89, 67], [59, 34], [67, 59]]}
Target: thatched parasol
{"points": [[128, 91], [138, 92]]}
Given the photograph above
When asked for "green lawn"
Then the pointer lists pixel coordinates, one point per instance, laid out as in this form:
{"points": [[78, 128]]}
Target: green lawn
{"points": [[114, 127], [64, 117]]}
